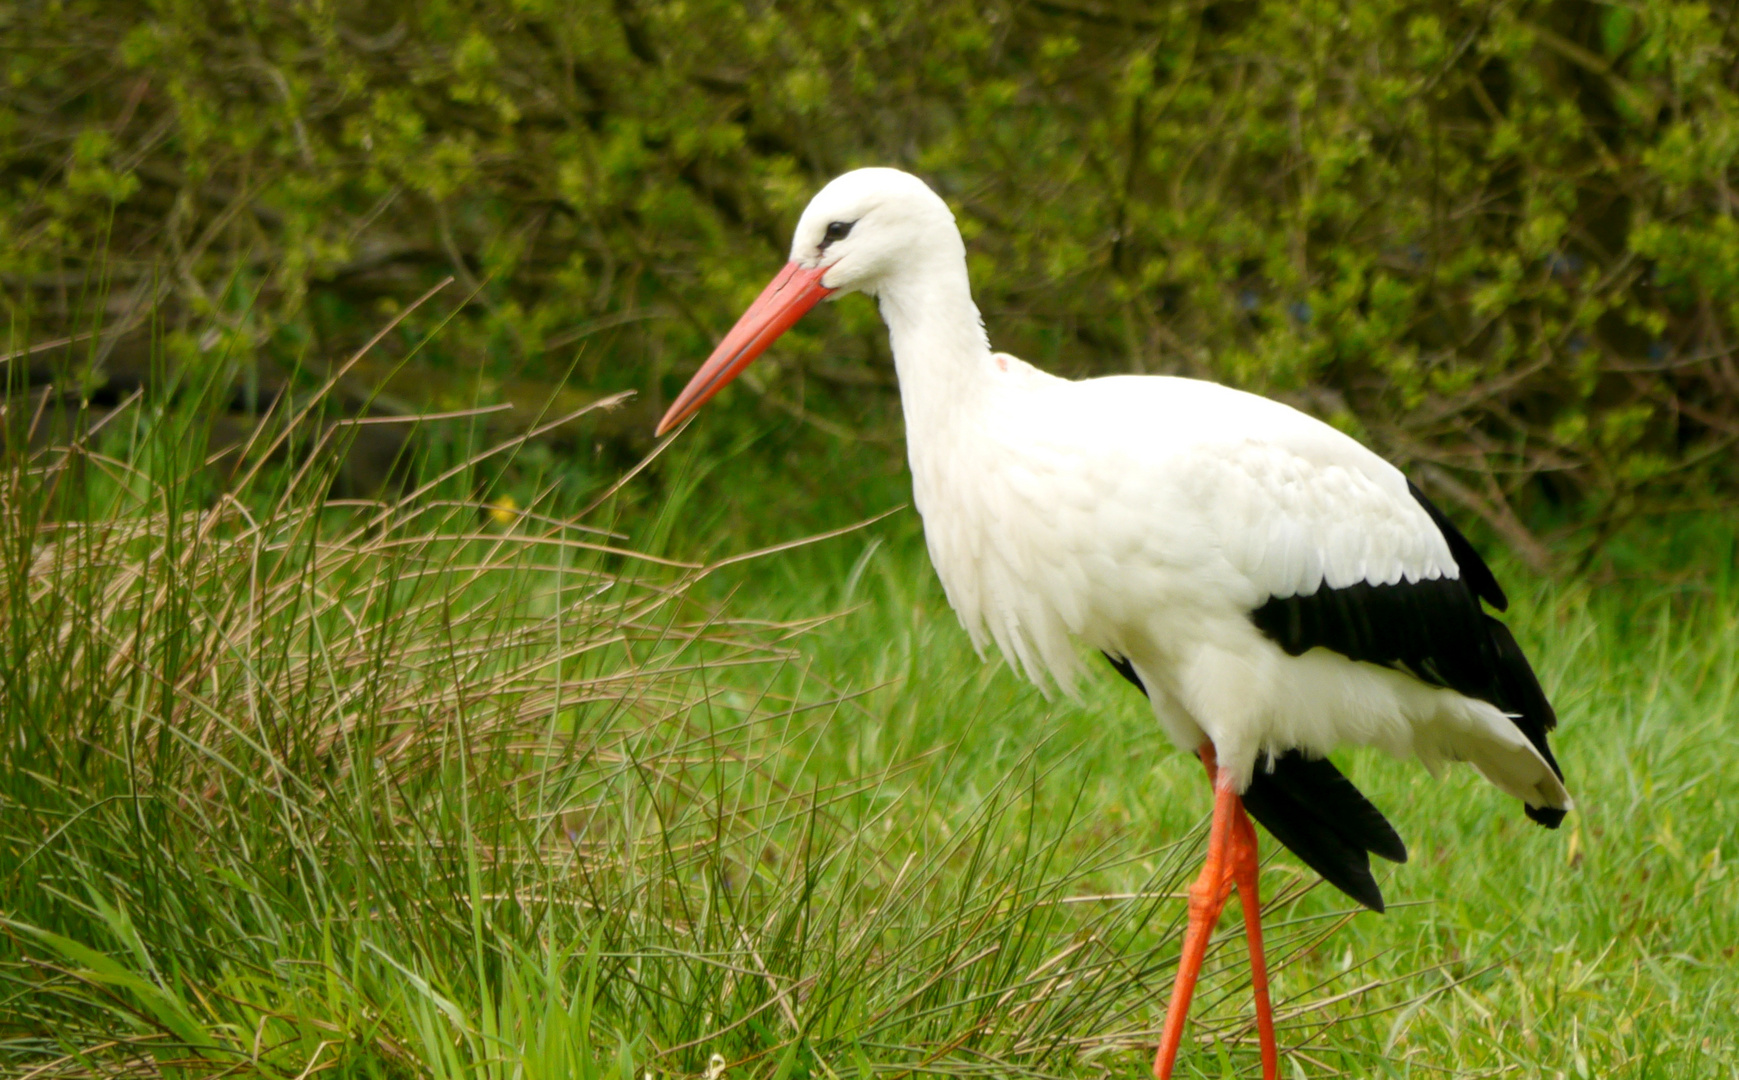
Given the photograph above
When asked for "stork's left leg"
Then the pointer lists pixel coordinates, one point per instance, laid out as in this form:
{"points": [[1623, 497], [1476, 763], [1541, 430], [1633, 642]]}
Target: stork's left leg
{"points": [[1244, 867], [1231, 860]]}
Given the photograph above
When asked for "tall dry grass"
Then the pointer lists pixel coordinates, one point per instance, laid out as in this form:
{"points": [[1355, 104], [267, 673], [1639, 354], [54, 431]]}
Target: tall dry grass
{"points": [[425, 784]]}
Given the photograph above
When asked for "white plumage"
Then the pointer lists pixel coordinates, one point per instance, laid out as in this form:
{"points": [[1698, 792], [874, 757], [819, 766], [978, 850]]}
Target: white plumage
{"points": [[1160, 521], [1146, 517]]}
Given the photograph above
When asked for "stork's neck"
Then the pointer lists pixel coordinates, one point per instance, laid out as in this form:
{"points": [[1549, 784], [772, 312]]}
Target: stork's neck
{"points": [[941, 353]]}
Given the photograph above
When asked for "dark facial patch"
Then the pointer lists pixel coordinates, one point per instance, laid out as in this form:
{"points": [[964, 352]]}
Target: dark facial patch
{"points": [[836, 230]]}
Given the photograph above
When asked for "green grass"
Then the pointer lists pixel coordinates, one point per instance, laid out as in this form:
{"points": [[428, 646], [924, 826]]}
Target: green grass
{"points": [[392, 789], [1607, 948]]}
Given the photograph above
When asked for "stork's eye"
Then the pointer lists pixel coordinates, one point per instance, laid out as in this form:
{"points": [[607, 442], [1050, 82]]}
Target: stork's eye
{"points": [[837, 230]]}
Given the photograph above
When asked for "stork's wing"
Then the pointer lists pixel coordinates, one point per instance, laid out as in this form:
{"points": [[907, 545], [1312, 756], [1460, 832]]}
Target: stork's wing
{"points": [[1433, 628], [1340, 552], [1330, 547], [1380, 576]]}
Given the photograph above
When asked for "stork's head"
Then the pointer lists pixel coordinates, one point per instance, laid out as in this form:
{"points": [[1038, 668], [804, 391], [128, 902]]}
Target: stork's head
{"points": [[868, 224], [858, 231]]}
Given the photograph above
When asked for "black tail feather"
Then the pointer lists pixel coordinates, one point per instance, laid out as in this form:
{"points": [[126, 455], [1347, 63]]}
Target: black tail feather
{"points": [[1319, 816], [1316, 784]]}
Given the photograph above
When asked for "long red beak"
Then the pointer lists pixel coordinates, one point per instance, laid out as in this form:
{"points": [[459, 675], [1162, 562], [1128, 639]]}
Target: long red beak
{"points": [[781, 303]]}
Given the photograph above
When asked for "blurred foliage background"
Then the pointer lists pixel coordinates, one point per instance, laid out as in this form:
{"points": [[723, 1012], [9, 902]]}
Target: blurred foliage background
{"points": [[1496, 238]]}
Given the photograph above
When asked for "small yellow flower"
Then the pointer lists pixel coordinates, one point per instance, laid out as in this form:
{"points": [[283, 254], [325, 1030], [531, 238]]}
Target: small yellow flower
{"points": [[504, 511]]}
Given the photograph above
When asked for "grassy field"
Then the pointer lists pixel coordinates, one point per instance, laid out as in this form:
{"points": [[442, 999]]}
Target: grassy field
{"points": [[440, 787], [1606, 949]]}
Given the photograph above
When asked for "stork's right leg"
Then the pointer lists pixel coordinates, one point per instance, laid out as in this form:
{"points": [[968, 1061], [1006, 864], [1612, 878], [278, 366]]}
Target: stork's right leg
{"points": [[1231, 860], [1244, 871]]}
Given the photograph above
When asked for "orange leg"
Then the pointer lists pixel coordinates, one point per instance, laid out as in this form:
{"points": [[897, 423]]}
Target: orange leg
{"points": [[1231, 861]]}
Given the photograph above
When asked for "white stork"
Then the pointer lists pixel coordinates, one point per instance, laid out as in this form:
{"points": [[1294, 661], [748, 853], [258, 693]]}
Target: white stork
{"points": [[1273, 587]]}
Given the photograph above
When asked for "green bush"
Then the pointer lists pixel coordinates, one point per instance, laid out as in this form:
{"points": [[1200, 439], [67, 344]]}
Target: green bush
{"points": [[1495, 238]]}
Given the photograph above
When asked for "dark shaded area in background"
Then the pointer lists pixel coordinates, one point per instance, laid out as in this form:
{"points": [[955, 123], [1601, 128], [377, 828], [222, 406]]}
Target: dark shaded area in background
{"points": [[1496, 239]]}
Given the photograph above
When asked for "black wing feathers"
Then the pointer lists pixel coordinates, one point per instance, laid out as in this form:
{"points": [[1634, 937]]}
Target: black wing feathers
{"points": [[1318, 815], [1474, 571], [1521, 687], [1432, 628], [1424, 625], [1436, 630]]}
